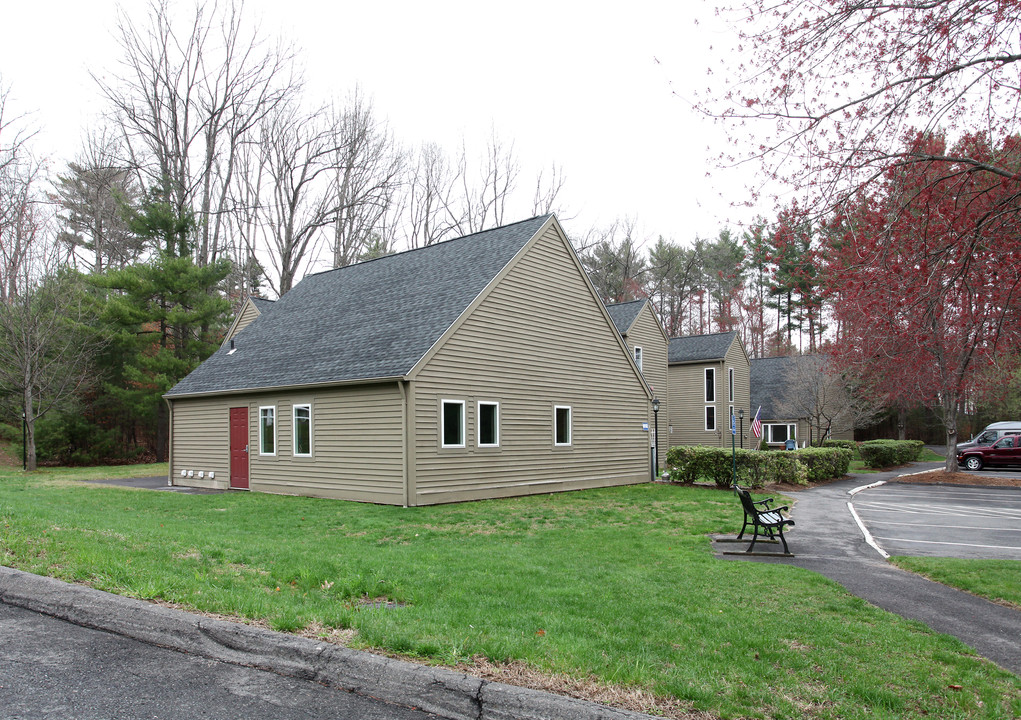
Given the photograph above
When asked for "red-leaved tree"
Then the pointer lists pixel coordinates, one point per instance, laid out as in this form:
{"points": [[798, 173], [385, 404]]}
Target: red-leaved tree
{"points": [[924, 274]]}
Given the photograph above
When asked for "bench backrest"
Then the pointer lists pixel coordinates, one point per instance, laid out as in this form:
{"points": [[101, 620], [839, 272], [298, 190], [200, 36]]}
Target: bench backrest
{"points": [[746, 501]]}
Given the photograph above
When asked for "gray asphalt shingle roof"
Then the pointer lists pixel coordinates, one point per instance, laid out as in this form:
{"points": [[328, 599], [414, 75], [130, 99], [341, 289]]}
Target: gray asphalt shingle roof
{"points": [[624, 314], [371, 320], [697, 348]]}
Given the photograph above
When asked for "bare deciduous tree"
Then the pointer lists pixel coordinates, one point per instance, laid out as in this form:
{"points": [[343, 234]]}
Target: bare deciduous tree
{"points": [[187, 97], [369, 168], [299, 154], [826, 399]]}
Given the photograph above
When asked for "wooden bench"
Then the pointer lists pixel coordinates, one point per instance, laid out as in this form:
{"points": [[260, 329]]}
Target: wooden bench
{"points": [[760, 515]]}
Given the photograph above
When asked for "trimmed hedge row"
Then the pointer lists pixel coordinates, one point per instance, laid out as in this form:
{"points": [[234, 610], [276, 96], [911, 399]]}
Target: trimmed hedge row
{"points": [[755, 468], [886, 453]]}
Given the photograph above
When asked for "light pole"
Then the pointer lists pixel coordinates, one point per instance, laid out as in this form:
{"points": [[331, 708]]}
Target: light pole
{"points": [[655, 437], [24, 441], [740, 416]]}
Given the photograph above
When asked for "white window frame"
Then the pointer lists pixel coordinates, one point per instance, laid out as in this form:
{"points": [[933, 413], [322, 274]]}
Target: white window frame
{"points": [[792, 432], [443, 424], [730, 384], [294, 429], [273, 410], [638, 356], [710, 372], [570, 425], [478, 423], [716, 420]]}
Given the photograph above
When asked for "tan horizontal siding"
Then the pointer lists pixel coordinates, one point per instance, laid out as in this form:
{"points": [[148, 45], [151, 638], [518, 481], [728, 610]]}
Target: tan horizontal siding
{"points": [[645, 332], [357, 442], [539, 339], [201, 435], [687, 405]]}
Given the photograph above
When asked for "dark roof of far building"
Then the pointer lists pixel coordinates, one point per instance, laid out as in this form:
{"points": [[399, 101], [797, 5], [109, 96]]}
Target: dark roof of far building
{"points": [[624, 314], [700, 348], [262, 304], [376, 319]]}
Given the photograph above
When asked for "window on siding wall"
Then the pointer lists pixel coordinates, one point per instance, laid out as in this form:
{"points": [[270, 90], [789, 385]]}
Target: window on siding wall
{"points": [[303, 431], [562, 425], [710, 385], [710, 417], [489, 424], [638, 357], [781, 433], [730, 385], [452, 420], [267, 431]]}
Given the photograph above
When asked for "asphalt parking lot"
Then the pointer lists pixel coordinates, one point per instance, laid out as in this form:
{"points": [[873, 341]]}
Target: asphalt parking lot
{"points": [[943, 520]]}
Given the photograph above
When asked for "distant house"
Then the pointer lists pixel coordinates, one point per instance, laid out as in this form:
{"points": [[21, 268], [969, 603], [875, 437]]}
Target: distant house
{"points": [[252, 308], [647, 341], [708, 382], [484, 366], [789, 398]]}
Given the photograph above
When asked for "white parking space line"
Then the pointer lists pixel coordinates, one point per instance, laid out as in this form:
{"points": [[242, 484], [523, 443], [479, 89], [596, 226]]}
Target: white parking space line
{"points": [[942, 509], [937, 542], [945, 527]]}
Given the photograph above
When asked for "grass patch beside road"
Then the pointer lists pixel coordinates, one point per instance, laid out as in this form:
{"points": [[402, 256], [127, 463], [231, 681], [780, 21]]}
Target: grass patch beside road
{"points": [[996, 580], [617, 584]]}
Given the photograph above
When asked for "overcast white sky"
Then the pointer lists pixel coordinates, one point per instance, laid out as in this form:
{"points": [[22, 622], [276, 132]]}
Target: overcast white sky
{"points": [[573, 83]]}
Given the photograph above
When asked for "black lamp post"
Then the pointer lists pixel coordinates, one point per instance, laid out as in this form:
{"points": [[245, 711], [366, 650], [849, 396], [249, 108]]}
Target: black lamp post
{"points": [[740, 417], [655, 416], [24, 441]]}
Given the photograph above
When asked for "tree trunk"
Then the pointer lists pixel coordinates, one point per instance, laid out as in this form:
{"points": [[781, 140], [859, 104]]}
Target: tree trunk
{"points": [[950, 423], [30, 461], [902, 416]]}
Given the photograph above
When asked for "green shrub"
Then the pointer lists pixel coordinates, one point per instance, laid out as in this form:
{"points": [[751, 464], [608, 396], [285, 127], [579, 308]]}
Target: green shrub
{"points": [[825, 463], [755, 468], [847, 444], [9, 433], [887, 453]]}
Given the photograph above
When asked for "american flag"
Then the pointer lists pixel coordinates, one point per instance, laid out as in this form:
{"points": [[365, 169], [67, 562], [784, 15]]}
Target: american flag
{"points": [[757, 423]]}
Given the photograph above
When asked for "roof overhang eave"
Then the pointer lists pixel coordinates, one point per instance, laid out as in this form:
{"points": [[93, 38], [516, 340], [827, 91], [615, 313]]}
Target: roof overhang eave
{"points": [[284, 388]]}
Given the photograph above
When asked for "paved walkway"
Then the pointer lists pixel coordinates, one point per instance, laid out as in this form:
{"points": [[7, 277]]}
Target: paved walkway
{"points": [[827, 540]]}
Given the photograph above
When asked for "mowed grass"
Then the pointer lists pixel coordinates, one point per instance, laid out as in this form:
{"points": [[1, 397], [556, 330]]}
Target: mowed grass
{"points": [[997, 580], [617, 584]]}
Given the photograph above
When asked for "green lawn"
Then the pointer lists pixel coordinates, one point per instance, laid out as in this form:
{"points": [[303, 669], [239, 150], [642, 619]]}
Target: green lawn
{"points": [[997, 580], [618, 585]]}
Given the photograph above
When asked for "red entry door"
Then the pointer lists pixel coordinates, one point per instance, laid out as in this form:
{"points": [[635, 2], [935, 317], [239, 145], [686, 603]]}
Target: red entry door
{"points": [[239, 448]]}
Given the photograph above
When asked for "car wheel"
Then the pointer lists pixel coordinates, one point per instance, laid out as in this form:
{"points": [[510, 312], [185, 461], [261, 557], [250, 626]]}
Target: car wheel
{"points": [[973, 463]]}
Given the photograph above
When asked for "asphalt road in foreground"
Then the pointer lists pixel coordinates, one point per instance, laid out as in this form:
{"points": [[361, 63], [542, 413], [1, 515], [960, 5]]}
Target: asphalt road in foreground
{"points": [[53, 669], [944, 520]]}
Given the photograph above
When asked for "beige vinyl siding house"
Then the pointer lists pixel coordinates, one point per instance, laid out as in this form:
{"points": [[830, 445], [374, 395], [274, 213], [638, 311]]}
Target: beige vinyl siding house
{"points": [[481, 367], [771, 380], [648, 343], [708, 380]]}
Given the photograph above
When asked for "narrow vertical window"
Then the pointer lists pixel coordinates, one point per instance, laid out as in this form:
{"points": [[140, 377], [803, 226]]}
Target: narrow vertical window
{"points": [[710, 385], [638, 357], [562, 425], [489, 424], [452, 421], [303, 431], [267, 431], [710, 417], [730, 383]]}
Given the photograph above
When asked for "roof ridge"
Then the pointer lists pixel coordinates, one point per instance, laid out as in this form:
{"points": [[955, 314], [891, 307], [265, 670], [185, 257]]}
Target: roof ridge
{"points": [[434, 245]]}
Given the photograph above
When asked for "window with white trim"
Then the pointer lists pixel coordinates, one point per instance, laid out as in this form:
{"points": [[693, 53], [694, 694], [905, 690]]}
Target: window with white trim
{"points": [[302, 430], [562, 425], [710, 417], [452, 423], [781, 433], [730, 385], [710, 385], [489, 424], [268, 430], [638, 356]]}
